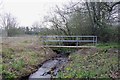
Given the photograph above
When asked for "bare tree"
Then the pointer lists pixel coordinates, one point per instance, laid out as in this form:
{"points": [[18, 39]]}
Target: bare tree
{"points": [[86, 18], [36, 27], [8, 22], [59, 21]]}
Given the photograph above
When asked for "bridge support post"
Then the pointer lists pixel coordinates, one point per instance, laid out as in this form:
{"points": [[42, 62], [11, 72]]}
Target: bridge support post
{"points": [[96, 41], [93, 40], [77, 41]]}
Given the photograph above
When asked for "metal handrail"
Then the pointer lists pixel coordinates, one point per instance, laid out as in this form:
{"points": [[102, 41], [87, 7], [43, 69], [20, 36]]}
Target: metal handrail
{"points": [[77, 39]]}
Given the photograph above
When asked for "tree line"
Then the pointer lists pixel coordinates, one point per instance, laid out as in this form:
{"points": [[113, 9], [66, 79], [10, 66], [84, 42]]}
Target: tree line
{"points": [[10, 26], [76, 18], [87, 18]]}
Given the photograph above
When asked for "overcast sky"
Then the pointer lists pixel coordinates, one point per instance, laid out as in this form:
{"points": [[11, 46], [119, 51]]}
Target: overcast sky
{"points": [[29, 11]]}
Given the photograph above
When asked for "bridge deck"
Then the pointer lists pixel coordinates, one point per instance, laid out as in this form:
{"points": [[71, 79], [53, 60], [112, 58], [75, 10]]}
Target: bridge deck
{"points": [[69, 46]]}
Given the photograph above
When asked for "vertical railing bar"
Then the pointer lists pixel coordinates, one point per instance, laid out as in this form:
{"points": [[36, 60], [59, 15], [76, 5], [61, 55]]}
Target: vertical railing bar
{"points": [[77, 41], [58, 38], [93, 40], [96, 40]]}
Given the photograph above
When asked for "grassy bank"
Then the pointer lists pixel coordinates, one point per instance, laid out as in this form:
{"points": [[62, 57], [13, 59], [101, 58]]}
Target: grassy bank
{"points": [[21, 56], [100, 62]]}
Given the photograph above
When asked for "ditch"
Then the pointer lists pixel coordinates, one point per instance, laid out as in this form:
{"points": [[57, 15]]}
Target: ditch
{"points": [[50, 68]]}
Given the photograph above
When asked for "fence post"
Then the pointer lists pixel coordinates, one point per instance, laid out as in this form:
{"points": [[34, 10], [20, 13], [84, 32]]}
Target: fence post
{"points": [[96, 40], [93, 40], [77, 40]]}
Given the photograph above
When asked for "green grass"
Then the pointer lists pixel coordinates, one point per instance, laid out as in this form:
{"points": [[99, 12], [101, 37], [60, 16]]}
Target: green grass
{"points": [[21, 56], [108, 45], [93, 65], [17, 65]]}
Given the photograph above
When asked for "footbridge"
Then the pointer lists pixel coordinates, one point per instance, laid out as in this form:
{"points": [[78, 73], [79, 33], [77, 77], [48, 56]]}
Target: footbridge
{"points": [[69, 41]]}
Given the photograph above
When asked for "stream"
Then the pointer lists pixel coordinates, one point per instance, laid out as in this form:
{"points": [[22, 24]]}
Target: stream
{"points": [[50, 68]]}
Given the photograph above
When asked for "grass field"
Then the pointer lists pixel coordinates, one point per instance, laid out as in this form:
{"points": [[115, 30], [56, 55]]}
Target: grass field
{"points": [[100, 62], [21, 56]]}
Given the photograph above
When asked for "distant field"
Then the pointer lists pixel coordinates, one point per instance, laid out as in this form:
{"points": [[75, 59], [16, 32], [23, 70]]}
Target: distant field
{"points": [[22, 55]]}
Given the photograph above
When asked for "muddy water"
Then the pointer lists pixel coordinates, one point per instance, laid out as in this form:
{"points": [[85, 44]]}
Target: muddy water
{"points": [[50, 68]]}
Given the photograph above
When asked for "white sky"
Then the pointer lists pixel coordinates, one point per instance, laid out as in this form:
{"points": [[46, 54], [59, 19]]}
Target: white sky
{"points": [[29, 11]]}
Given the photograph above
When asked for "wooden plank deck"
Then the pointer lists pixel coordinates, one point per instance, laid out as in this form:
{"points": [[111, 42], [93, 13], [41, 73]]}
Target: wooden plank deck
{"points": [[70, 46]]}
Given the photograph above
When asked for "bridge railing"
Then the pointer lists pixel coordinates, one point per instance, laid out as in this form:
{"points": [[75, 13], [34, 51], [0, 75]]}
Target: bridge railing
{"points": [[69, 40]]}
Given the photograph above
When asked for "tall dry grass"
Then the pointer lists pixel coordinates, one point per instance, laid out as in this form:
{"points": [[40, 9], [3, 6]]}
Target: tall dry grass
{"points": [[22, 55]]}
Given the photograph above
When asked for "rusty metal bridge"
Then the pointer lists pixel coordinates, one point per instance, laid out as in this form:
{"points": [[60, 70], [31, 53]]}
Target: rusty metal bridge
{"points": [[69, 41]]}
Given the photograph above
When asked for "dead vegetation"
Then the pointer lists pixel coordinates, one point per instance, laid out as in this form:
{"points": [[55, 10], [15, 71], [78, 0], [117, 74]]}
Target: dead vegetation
{"points": [[22, 55]]}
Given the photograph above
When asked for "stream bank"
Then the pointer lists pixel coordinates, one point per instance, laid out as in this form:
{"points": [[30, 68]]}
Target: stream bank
{"points": [[50, 68]]}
